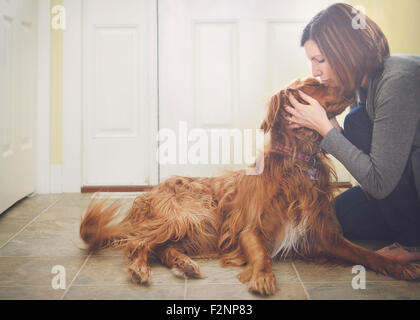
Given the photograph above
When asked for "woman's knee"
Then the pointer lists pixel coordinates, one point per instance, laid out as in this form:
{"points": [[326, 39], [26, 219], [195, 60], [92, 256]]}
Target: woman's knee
{"points": [[344, 202], [359, 217], [349, 207]]}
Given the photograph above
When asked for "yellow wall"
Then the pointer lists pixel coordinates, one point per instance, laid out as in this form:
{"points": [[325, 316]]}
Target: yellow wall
{"points": [[56, 90], [398, 19]]}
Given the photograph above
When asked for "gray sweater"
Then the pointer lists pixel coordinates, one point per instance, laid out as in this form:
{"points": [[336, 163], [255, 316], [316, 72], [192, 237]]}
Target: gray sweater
{"points": [[393, 104]]}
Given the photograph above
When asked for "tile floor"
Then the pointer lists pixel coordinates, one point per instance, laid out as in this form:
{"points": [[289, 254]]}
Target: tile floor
{"points": [[41, 232]]}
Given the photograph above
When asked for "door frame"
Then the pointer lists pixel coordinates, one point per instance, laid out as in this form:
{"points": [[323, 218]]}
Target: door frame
{"points": [[43, 99]]}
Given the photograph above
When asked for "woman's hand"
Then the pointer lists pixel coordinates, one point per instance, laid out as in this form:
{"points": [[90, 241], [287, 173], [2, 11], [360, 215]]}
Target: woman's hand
{"points": [[312, 116]]}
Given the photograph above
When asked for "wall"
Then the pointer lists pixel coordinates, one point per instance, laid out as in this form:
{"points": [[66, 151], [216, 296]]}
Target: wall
{"points": [[399, 21]]}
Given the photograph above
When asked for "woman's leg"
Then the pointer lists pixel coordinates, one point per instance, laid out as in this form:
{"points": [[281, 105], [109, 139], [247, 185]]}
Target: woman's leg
{"points": [[401, 209], [358, 215], [395, 218]]}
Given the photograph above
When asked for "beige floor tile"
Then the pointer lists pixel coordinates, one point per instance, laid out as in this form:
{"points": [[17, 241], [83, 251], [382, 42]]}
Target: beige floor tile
{"points": [[372, 291], [110, 270], [57, 220], [38, 201], [77, 200], [42, 243], [22, 214], [111, 252], [313, 272], [285, 272], [36, 271], [8, 230], [126, 292], [82, 200], [286, 291], [26, 210], [216, 274], [30, 293]]}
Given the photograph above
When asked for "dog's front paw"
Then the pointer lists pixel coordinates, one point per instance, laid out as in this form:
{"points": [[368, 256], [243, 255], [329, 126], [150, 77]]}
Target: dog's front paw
{"points": [[187, 269], [404, 271], [140, 273], [263, 282], [246, 274]]}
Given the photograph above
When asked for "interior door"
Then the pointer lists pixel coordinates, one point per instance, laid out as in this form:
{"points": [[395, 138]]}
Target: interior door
{"points": [[119, 92], [219, 63], [18, 87]]}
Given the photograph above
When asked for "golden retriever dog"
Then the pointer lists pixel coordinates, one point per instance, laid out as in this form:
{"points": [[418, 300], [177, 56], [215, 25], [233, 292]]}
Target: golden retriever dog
{"points": [[246, 220]]}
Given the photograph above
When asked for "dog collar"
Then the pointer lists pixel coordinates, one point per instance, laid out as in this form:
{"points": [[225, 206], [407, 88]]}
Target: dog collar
{"points": [[309, 159], [287, 150]]}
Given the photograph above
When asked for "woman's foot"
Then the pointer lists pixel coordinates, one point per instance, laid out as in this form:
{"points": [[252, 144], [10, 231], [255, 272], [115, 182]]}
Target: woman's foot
{"points": [[400, 253]]}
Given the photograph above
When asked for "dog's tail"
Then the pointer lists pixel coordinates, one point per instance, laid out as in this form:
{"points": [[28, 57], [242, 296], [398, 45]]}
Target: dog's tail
{"points": [[98, 228]]}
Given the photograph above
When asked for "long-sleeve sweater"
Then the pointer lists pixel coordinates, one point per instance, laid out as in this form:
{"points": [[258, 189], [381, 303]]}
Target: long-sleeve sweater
{"points": [[393, 104]]}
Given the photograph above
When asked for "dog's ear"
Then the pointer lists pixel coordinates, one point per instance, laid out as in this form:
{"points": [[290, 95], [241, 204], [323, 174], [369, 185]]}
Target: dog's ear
{"points": [[310, 81], [336, 104], [273, 112], [330, 98]]}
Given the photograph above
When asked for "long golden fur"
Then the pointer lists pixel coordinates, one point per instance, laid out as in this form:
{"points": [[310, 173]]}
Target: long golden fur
{"points": [[245, 219]]}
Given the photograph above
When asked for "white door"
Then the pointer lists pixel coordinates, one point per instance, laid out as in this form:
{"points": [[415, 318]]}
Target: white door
{"points": [[219, 63], [119, 92], [18, 72]]}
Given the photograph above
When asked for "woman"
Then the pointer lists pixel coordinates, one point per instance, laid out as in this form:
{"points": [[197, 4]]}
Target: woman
{"points": [[380, 142]]}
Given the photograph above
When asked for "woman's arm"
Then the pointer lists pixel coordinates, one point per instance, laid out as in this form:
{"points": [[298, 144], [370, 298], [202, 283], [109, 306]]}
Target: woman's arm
{"points": [[396, 118]]}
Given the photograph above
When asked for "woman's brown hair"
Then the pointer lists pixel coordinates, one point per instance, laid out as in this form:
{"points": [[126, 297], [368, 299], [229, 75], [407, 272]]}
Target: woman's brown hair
{"points": [[351, 52]]}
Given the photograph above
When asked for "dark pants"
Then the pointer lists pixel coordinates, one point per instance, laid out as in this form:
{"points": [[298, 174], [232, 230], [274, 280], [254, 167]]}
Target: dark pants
{"points": [[395, 218]]}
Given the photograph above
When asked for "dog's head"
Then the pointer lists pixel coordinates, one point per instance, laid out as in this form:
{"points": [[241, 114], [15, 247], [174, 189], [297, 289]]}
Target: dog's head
{"points": [[328, 97]]}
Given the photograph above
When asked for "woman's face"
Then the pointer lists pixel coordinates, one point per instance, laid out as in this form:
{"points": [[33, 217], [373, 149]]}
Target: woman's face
{"points": [[320, 66]]}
